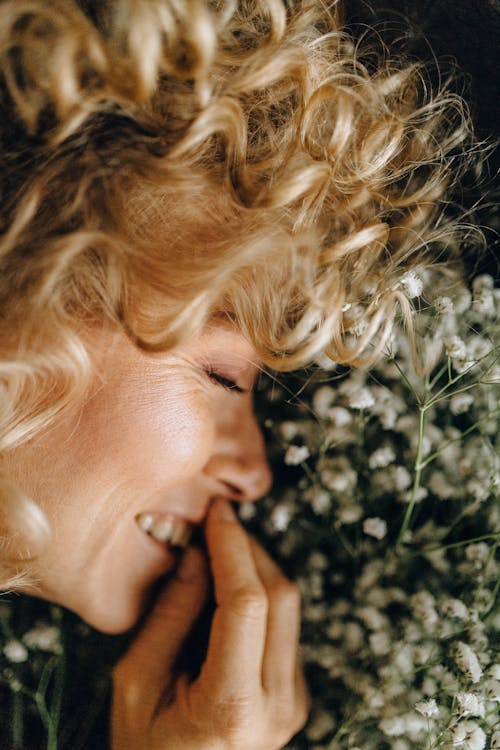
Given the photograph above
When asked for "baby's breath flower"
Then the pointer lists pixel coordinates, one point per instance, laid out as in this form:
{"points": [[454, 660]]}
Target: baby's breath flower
{"points": [[494, 672], [315, 612], [340, 416], [454, 608], [440, 486], [481, 282], [15, 652], [361, 399], [401, 477], [288, 429], [444, 305], [372, 617], [414, 496], [469, 704], [339, 477], [412, 284], [467, 661], [322, 724], [320, 500], [407, 424], [468, 735], [479, 490], [461, 403], [44, 637], [375, 527], [478, 552], [494, 374], [428, 708], [483, 296], [495, 741], [492, 690], [388, 416], [455, 347], [478, 347], [354, 637], [423, 605], [463, 365], [380, 642], [382, 457], [280, 517], [462, 300], [349, 513], [296, 454], [393, 726], [325, 362], [318, 561], [246, 511], [322, 400]]}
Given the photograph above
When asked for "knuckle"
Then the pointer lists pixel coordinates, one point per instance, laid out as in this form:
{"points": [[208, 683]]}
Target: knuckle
{"points": [[235, 719], [249, 602]]}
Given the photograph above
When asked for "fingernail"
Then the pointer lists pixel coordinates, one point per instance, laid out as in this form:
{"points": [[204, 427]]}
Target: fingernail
{"points": [[223, 512]]}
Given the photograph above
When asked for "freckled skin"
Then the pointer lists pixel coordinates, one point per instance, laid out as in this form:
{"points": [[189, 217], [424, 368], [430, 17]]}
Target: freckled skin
{"points": [[153, 434]]}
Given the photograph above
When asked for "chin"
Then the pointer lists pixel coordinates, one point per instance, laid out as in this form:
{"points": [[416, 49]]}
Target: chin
{"points": [[113, 617]]}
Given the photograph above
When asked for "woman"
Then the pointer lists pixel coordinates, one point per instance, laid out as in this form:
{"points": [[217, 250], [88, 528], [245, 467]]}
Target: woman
{"points": [[191, 192]]}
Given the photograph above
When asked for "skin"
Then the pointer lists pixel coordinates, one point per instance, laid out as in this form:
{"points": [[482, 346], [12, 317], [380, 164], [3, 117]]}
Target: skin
{"points": [[175, 436]]}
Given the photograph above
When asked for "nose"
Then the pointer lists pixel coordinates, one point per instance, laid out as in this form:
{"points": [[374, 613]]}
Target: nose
{"points": [[238, 462]]}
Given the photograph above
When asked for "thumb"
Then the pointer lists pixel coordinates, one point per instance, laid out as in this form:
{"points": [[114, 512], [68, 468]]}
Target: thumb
{"points": [[154, 651]]}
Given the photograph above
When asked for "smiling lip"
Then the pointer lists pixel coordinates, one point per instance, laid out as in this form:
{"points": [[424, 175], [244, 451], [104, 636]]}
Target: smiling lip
{"points": [[165, 528]]}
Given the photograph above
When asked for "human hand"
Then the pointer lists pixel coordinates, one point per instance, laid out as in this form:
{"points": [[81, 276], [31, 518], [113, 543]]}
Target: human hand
{"points": [[250, 693]]}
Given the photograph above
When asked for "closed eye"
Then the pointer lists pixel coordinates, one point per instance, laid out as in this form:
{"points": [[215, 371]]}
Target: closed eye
{"points": [[226, 383]]}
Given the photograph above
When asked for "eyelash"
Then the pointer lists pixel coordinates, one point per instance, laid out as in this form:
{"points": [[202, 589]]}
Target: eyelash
{"points": [[226, 383]]}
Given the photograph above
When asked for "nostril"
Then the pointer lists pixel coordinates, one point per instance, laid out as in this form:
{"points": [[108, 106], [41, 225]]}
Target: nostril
{"points": [[234, 491]]}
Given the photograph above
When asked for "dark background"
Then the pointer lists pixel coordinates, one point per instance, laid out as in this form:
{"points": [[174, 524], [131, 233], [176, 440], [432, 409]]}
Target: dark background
{"points": [[464, 35]]}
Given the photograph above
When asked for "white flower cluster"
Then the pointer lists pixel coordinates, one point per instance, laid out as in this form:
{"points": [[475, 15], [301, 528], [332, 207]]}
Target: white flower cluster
{"points": [[42, 637], [389, 520]]}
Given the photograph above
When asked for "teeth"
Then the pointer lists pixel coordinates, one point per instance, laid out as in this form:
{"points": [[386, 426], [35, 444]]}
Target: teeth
{"points": [[145, 521], [165, 529]]}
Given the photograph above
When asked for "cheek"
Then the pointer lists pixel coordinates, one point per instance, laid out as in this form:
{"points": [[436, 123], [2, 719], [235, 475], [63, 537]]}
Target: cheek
{"points": [[155, 439]]}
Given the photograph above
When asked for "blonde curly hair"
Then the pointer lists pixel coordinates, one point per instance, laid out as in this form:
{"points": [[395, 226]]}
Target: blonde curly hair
{"points": [[165, 161]]}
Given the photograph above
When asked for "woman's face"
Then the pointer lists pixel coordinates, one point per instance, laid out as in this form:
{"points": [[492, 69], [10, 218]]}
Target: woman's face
{"points": [[155, 437]]}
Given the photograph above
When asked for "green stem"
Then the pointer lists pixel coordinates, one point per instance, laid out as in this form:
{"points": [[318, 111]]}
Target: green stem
{"points": [[416, 477], [460, 375], [407, 382], [454, 545], [47, 721], [439, 374], [59, 682], [438, 398], [344, 542], [17, 721], [472, 427]]}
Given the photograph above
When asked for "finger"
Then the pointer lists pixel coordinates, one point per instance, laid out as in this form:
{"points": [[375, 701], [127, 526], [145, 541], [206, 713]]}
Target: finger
{"points": [[153, 653], [302, 704], [283, 625], [236, 645]]}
